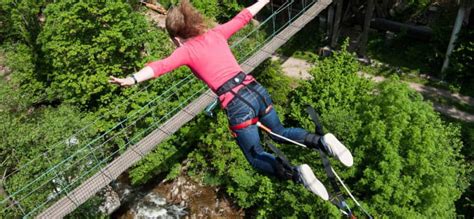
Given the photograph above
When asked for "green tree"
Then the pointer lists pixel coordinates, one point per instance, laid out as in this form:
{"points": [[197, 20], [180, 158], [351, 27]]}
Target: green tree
{"points": [[220, 11], [19, 21], [407, 160], [84, 43], [21, 60], [32, 141]]}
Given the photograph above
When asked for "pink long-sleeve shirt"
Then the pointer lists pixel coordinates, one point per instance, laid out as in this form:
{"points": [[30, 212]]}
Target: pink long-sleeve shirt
{"points": [[209, 57]]}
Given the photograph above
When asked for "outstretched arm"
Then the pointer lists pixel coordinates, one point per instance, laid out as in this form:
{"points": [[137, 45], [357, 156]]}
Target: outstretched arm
{"points": [[241, 19], [154, 69], [144, 74], [255, 8]]}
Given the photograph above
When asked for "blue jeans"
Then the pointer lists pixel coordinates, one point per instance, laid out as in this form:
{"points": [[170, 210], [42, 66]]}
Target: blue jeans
{"points": [[248, 138]]}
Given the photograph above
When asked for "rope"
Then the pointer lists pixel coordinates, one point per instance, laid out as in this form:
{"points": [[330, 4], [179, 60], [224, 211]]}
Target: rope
{"points": [[350, 194]]}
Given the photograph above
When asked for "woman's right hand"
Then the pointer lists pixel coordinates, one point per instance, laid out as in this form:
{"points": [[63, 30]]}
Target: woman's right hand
{"points": [[124, 82]]}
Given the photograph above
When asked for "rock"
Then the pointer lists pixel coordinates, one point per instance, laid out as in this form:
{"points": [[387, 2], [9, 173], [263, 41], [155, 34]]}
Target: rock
{"points": [[112, 201], [325, 51], [201, 201]]}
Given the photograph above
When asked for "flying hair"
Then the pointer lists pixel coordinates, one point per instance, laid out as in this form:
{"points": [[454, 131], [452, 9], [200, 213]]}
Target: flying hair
{"points": [[185, 21]]}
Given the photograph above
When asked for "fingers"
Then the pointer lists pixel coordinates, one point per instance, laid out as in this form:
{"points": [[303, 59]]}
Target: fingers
{"points": [[115, 80], [112, 78], [124, 82]]}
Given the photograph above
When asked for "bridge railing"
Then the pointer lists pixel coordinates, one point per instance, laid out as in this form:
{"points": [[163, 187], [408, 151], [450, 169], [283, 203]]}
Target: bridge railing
{"points": [[31, 188]]}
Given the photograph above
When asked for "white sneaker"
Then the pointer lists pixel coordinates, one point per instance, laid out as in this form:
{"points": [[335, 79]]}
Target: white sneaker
{"points": [[310, 181], [335, 148]]}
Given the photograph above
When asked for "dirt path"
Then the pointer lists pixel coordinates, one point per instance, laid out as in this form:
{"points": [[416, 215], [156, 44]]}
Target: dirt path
{"points": [[299, 68]]}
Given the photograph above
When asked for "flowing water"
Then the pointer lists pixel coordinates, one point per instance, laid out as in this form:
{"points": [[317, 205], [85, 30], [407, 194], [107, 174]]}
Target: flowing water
{"points": [[154, 206], [180, 198]]}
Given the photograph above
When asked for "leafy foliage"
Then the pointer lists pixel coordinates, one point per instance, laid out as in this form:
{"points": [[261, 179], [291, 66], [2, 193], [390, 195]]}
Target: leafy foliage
{"points": [[31, 141], [221, 11], [86, 42], [270, 75], [407, 161], [21, 60], [19, 21]]}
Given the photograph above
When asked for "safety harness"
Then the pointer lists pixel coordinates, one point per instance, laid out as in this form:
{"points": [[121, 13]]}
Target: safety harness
{"points": [[337, 198], [229, 85], [284, 168]]}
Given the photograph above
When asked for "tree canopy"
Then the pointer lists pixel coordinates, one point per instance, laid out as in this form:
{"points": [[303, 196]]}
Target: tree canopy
{"points": [[408, 162]]}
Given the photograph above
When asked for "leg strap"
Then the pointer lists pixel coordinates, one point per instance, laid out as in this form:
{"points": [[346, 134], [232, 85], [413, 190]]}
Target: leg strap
{"points": [[284, 170], [244, 124]]}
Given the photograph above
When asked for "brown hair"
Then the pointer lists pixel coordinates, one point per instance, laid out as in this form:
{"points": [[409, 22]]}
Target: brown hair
{"points": [[185, 21]]}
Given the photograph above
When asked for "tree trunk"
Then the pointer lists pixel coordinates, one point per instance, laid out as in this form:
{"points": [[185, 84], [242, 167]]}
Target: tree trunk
{"points": [[467, 16], [419, 32], [454, 36], [337, 21], [330, 21], [346, 16], [385, 8], [365, 32]]}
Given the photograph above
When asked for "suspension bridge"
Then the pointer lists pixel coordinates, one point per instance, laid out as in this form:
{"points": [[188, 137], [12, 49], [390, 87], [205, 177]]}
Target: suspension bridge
{"points": [[87, 168]]}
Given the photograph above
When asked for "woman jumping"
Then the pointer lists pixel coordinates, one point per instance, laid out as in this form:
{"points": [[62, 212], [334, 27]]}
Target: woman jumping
{"points": [[206, 52]]}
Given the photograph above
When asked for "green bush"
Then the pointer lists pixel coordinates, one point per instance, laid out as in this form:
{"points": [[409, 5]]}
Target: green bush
{"points": [[407, 161], [32, 141], [270, 75], [465, 204], [19, 21], [85, 42], [21, 60], [220, 11]]}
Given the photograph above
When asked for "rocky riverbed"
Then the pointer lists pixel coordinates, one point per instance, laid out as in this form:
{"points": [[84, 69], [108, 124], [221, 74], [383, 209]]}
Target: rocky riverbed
{"points": [[182, 197]]}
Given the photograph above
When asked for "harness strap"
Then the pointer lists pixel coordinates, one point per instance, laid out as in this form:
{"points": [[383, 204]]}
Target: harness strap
{"points": [[231, 83], [284, 169], [236, 95], [337, 199], [314, 116], [268, 107], [229, 86], [244, 124]]}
